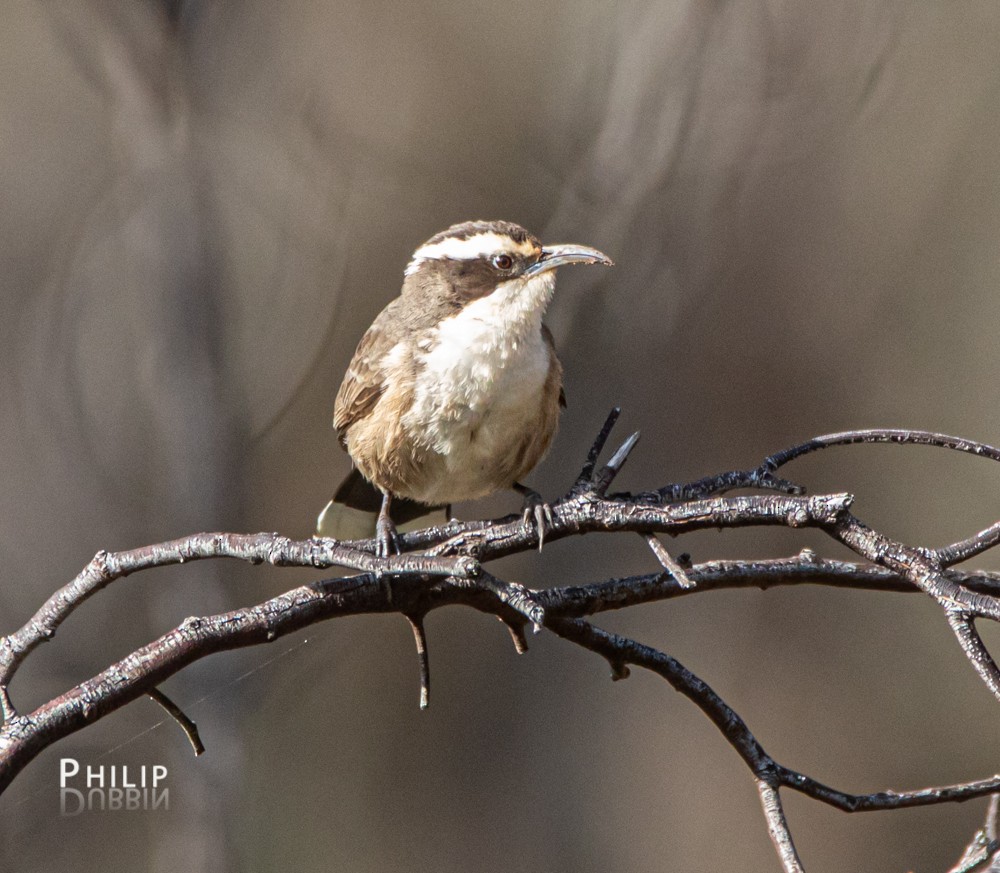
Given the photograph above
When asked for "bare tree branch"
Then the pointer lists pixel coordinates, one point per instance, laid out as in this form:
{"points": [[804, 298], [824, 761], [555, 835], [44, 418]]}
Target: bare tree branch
{"points": [[260, 548], [443, 566]]}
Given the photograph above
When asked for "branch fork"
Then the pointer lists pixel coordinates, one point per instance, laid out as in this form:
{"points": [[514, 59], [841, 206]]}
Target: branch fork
{"points": [[443, 565]]}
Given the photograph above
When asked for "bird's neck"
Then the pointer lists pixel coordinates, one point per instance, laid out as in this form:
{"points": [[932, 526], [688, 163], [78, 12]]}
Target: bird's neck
{"points": [[514, 310]]}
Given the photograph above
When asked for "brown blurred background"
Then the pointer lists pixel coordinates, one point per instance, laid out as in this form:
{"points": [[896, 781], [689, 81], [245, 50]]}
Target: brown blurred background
{"points": [[205, 203]]}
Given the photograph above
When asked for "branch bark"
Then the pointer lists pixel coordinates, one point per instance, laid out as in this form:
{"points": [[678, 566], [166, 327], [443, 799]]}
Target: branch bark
{"points": [[443, 566]]}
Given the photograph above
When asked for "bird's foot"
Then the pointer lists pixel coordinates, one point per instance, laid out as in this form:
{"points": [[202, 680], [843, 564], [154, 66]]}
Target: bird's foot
{"points": [[386, 537], [536, 512]]}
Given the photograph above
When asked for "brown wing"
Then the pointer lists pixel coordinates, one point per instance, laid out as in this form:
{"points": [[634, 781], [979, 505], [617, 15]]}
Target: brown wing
{"points": [[364, 380], [551, 343]]}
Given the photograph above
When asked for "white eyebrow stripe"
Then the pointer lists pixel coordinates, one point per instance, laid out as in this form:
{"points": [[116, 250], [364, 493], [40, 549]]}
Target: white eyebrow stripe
{"points": [[477, 246]]}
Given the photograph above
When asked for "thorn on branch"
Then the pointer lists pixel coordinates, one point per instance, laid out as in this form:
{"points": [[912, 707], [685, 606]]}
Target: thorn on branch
{"points": [[516, 629], [177, 714], [420, 638], [607, 475], [673, 567]]}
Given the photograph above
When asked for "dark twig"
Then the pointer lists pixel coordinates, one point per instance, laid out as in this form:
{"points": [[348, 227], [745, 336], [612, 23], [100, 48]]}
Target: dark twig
{"points": [[882, 435], [579, 600], [621, 650], [586, 478], [763, 476], [618, 651], [178, 715], [710, 486]]}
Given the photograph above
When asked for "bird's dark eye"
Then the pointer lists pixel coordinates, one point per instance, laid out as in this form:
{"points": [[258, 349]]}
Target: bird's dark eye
{"points": [[503, 262]]}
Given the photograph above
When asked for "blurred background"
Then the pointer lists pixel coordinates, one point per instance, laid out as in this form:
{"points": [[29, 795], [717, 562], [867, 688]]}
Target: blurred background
{"points": [[205, 204]]}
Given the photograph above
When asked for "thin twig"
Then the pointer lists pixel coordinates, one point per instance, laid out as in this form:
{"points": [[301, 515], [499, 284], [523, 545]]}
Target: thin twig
{"points": [[586, 478], [968, 548], [972, 644], [178, 715], [668, 562], [777, 827], [622, 650], [992, 824], [710, 486], [882, 435], [420, 639], [515, 628]]}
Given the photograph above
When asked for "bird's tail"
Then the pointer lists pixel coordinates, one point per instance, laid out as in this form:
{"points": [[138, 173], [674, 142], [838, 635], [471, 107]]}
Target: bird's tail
{"points": [[352, 512]]}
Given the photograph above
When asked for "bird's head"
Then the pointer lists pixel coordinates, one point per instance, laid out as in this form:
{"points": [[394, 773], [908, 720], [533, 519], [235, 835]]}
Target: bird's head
{"points": [[492, 259]]}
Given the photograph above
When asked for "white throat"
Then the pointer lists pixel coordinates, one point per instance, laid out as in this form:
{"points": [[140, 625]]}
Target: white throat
{"points": [[485, 365], [514, 308]]}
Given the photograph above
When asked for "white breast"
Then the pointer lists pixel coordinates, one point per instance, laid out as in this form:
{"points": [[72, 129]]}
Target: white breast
{"points": [[480, 388]]}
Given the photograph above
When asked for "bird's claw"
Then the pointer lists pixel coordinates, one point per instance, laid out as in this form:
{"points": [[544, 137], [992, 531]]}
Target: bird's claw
{"points": [[537, 513], [386, 538]]}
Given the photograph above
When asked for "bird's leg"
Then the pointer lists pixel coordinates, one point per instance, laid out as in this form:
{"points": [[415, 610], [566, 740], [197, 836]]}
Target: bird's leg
{"points": [[386, 538], [536, 511]]}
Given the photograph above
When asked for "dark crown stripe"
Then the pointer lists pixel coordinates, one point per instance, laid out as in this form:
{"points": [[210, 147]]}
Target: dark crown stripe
{"points": [[468, 229]]}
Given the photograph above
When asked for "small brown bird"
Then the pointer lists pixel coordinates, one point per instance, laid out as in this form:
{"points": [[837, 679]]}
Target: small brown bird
{"points": [[454, 391]]}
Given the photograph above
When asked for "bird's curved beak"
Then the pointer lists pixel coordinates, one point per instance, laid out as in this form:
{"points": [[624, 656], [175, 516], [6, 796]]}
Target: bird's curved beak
{"points": [[559, 256]]}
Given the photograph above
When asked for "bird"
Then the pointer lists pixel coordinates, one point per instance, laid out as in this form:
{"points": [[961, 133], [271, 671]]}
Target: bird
{"points": [[455, 390]]}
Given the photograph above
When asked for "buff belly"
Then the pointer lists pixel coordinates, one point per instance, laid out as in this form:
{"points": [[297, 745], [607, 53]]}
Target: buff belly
{"points": [[479, 453]]}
